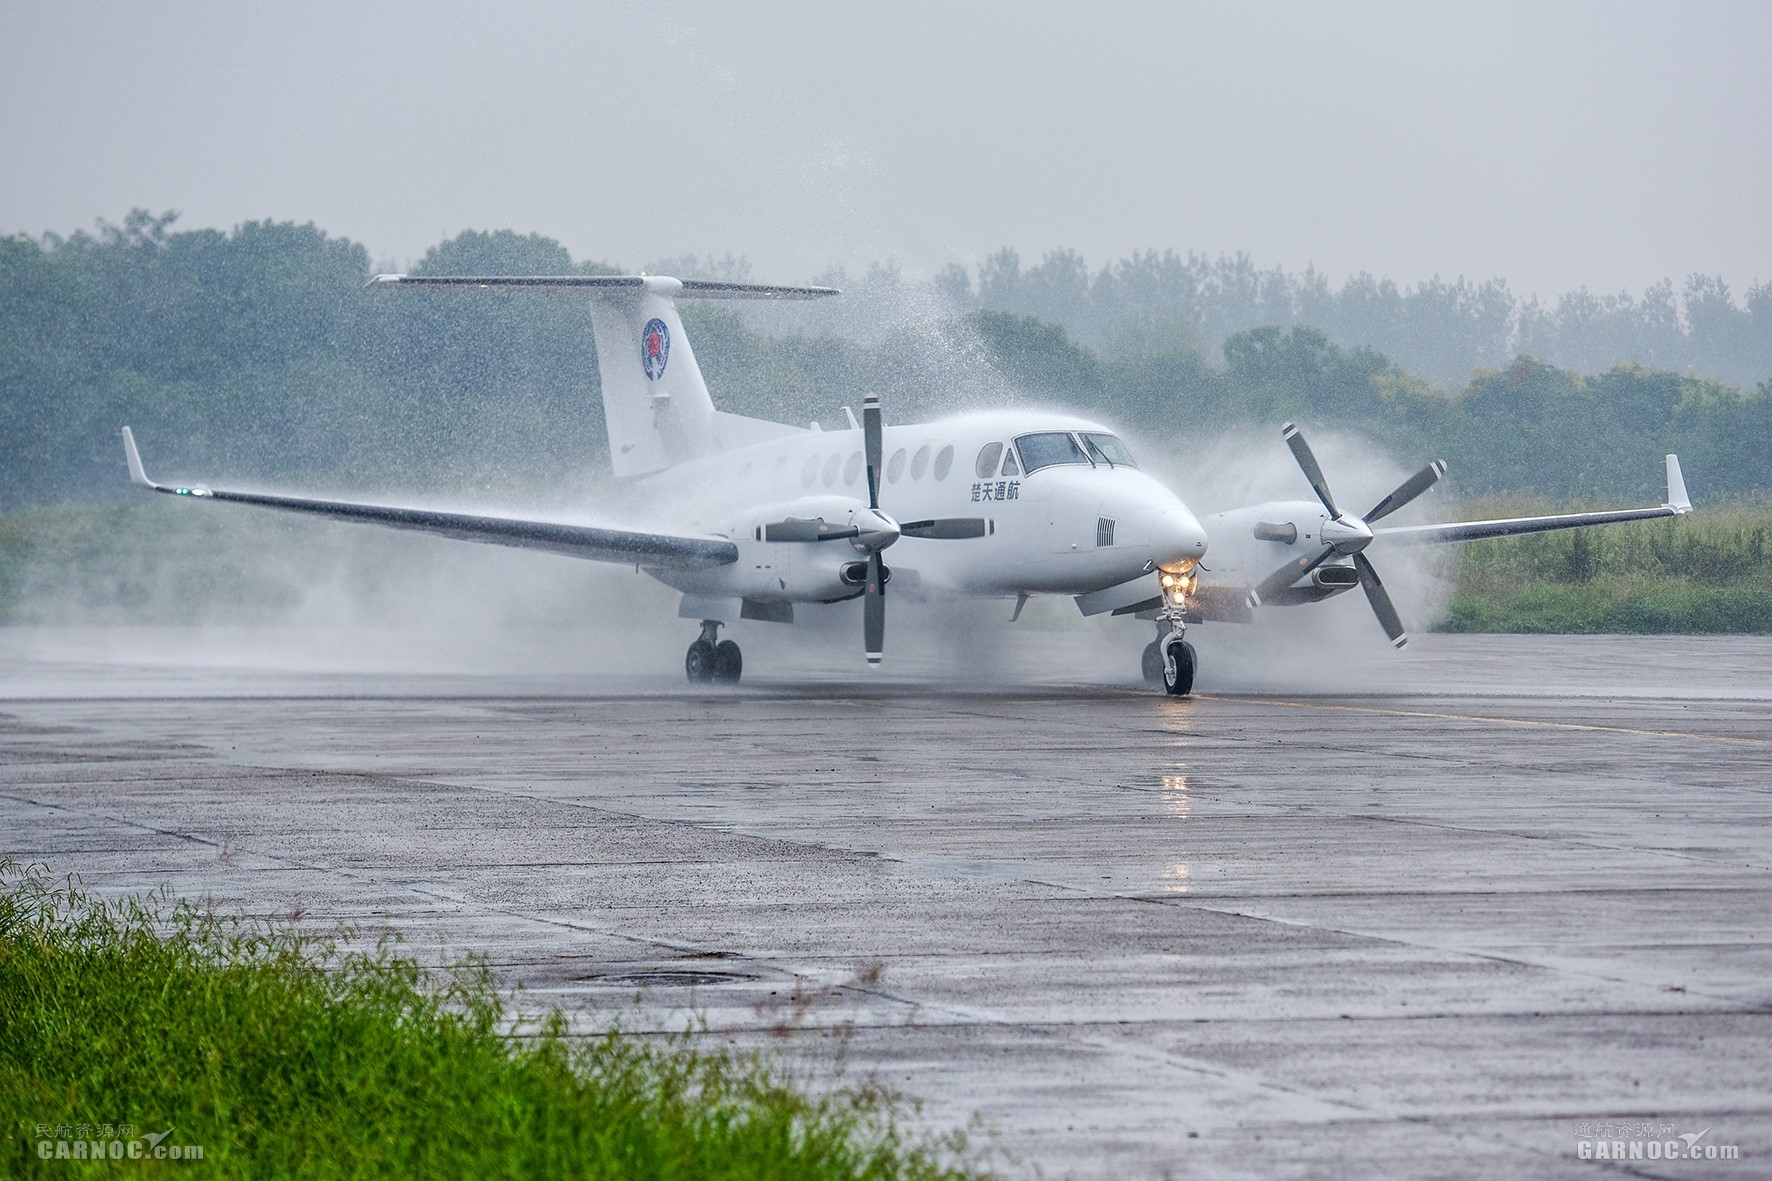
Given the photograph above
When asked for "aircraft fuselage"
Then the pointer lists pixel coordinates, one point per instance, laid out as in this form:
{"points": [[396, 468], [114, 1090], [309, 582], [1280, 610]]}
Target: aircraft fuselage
{"points": [[1069, 527]]}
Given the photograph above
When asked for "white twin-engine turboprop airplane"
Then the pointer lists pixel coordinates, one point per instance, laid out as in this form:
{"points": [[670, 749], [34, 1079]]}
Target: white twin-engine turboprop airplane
{"points": [[1003, 504]]}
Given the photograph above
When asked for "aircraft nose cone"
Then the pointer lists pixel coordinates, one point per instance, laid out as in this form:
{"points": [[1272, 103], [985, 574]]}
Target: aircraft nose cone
{"points": [[1177, 540]]}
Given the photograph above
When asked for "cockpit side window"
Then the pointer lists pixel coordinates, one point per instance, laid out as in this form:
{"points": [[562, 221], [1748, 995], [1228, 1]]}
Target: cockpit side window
{"points": [[1010, 467], [987, 460], [1048, 448], [1108, 449]]}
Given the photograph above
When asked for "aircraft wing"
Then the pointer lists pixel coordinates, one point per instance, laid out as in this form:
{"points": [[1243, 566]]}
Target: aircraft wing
{"points": [[576, 541], [1677, 504]]}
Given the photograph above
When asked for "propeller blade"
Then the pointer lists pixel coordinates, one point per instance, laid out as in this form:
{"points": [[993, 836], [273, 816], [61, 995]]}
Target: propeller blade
{"points": [[1301, 451], [873, 607], [872, 433], [816, 529], [1381, 601], [945, 528], [1286, 575], [1408, 490]]}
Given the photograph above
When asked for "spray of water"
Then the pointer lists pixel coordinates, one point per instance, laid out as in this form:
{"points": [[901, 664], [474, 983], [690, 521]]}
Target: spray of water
{"points": [[246, 587], [1325, 647]]}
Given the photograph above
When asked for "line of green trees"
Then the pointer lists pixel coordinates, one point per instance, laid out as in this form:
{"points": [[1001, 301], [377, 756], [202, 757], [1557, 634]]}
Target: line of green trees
{"points": [[258, 355], [1439, 330]]}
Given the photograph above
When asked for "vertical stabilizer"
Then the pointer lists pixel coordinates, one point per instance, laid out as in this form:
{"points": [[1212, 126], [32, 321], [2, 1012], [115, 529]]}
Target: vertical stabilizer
{"points": [[655, 402]]}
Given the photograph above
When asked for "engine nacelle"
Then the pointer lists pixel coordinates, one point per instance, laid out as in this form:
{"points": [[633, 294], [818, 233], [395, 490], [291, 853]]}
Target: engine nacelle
{"points": [[1248, 544], [835, 511]]}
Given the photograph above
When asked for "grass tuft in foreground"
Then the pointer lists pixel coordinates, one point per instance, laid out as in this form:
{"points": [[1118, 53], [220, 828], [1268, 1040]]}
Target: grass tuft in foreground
{"points": [[280, 1056]]}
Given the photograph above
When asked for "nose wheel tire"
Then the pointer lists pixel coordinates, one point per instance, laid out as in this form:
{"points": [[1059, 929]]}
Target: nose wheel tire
{"points": [[1180, 682], [1152, 663]]}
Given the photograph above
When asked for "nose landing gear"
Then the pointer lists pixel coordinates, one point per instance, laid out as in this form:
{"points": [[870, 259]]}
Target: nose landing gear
{"points": [[711, 658], [1169, 659]]}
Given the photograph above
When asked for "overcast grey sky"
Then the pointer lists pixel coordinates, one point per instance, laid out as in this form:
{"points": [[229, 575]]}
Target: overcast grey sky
{"points": [[1554, 145]]}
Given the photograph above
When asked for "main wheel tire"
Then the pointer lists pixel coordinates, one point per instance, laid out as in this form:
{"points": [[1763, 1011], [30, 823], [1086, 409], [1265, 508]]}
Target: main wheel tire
{"points": [[1183, 682], [699, 664], [1152, 663], [728, 662]]}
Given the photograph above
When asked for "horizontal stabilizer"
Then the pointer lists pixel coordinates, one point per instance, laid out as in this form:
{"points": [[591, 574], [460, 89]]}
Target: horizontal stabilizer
{"points": [[612, 286]]}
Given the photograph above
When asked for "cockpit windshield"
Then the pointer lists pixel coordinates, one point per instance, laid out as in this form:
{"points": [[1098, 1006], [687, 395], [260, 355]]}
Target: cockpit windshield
{"points": [[1048, 448], [1108, 449]]}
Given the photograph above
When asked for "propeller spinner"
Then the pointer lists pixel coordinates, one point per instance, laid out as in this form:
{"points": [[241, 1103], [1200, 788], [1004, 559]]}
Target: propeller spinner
{"points": [[1346, 534]]}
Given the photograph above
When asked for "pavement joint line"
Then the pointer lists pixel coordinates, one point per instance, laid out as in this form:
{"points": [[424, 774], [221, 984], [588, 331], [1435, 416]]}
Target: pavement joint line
{"points": [[1412, 713], [1111, 1045], [389, 881], [1562, 839], [1553, 969], [1567, 841], [1055, 1031], [1092, 893]]}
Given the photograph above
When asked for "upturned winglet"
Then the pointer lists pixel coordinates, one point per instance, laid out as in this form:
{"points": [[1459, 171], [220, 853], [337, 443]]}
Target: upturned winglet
{"points": [[137, 475], [1676, 487]]}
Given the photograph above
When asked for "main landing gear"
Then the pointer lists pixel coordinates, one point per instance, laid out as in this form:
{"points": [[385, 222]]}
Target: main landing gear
{"points": [[1169, 659], [711, 658]]}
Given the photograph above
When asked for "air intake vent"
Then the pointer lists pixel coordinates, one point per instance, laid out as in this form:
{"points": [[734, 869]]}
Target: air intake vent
{"points": [[1104, 531], [1269, 531], [1336, 576], [856, 573]]}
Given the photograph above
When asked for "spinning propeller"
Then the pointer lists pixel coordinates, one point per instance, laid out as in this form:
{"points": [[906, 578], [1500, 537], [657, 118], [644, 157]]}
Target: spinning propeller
{"points": [[1344, 533], [872, 530]]}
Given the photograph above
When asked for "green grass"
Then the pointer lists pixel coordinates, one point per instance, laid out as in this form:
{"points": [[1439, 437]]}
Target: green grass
{"points": [[1709, 573], [282, 1056], [147, 563]]}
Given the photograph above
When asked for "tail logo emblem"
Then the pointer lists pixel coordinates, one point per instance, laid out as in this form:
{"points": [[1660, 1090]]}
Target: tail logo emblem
{"points": [[655, 348]]}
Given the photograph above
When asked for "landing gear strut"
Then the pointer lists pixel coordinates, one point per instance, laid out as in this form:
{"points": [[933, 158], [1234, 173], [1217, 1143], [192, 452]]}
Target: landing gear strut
{"points": [[711, 658], [1170, 658]]}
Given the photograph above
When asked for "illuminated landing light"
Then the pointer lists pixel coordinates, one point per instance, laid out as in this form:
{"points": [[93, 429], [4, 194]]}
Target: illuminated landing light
{"points": [[1178, 586]]}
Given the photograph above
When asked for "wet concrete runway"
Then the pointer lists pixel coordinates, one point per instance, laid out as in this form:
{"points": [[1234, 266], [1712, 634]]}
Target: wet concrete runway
{"points": [[1398, 931]]}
